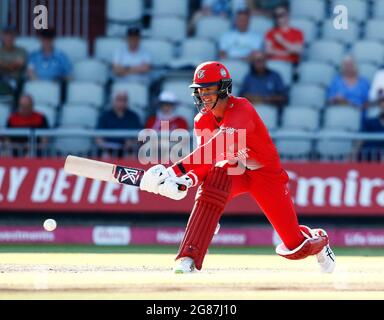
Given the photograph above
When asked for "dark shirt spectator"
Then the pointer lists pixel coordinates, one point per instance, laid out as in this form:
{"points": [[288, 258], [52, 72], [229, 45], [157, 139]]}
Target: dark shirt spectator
{"points": [[263, 85], [349, 88], [26, 117], [48, 63], [284, 42], [12, 59], [166, 113], [240, 43], [119, 118], [132, 62], [264, 7], [373, 149]]}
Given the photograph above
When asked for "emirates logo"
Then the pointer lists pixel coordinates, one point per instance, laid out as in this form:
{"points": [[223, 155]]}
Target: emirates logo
{"points": [[201, 74]]}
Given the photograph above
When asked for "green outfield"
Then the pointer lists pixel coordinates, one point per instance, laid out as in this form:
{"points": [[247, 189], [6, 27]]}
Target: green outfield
{"points": [[82, 272]]}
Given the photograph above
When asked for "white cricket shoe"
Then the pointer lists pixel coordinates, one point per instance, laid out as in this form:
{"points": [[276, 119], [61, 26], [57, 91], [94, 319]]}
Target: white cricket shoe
{"points": [[326, 258], [185, 265]]}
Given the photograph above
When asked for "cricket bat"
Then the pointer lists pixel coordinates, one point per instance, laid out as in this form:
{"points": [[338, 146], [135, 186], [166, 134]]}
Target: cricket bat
{"points": [[105, 171]]}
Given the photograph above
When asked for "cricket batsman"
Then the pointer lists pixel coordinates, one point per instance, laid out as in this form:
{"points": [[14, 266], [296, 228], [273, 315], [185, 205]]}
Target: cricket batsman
{"points": [[235, 155]]}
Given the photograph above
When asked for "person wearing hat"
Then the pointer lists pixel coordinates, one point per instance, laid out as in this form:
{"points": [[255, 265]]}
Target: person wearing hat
{"points": [[48, 63], [12, 62], [166, 112], [132, 62]]}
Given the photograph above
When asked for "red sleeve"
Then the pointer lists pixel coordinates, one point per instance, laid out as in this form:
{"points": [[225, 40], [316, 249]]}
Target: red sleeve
{"points": [[150, 122], [217, 148]]}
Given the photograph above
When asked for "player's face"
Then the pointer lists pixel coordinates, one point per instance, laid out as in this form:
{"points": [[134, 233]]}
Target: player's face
{"points": [[209, 96]]}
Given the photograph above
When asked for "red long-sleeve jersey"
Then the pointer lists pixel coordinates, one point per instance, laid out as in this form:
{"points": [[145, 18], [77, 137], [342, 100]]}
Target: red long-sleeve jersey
{"points": [[241, 136]]}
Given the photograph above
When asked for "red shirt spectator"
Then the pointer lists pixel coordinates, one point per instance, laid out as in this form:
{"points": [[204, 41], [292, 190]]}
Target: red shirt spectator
{"points": [[166, 113], [284, 42], [26, 117]]}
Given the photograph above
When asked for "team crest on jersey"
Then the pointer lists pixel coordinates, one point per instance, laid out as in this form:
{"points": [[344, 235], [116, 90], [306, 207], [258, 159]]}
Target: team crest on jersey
{"points": [[223, 72], [201, 74]]}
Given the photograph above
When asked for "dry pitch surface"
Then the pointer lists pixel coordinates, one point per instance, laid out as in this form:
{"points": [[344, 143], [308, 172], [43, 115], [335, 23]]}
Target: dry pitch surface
{"points": [[149, 276]]}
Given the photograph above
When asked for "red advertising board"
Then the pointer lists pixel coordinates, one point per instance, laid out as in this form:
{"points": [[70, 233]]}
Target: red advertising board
{"points": [[316, 188]]}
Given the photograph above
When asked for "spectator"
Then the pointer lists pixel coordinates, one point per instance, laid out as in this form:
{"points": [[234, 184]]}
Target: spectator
{"points": [[264, 7], [166, 112], [120, 118], [373, 149], [26, 117], [49, 63], [12, 63], [284, 42], [377, 87], [132, 63], [241, 42], [348, 88], [263, 85], [208, 8]]}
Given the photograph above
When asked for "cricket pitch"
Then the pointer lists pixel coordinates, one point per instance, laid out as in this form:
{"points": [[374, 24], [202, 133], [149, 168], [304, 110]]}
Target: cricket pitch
{"points": [[149, 276]]}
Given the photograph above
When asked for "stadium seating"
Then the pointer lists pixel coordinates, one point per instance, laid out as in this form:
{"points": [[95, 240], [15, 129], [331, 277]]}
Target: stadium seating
{"points": [[105, 48], [237, 69], [357, 9], [181, 89], [293, 148], [284, 69], [378, 9], [78, 116], [319, 73], [334, 148], [194, 51], [137, 93], [85, 93], [307, 95], [307, 27], [30, 44], [368, 51], [345, 36], [342, 118], [45, 92], [301, 117], [91, 70], [161, 27], [367, 70], [5, 111], [312, 9], [124, 11], [374, 30], [268, 114], [49, 112], [80, 146], [75, 48], [161, 51], [326, 51], [260, 24], [212, 27], [170, 8]]}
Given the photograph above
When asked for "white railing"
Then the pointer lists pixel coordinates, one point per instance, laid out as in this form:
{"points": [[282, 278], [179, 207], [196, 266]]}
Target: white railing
{"points": [[33, 137]]}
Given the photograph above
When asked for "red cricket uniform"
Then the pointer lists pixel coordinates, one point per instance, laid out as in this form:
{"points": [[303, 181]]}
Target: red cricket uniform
{"points": [[263, 177], [292, 35]]}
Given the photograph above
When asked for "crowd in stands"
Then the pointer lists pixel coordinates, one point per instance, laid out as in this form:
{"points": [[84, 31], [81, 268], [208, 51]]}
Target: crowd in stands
{"points": [[271, 64]]}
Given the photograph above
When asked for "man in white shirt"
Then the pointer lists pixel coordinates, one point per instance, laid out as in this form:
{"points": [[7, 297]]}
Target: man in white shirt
{"points": [[377, 87], [240, 43], [132, 62]]}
